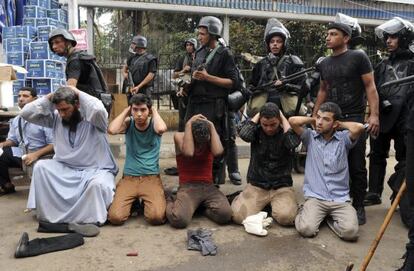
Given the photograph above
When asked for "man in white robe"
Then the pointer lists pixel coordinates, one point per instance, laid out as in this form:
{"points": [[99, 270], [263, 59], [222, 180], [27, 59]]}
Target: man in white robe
{"points": [[77, 185]]}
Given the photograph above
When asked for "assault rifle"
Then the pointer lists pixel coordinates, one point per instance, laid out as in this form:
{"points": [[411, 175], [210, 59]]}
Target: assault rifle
{"points": [[130, 82], [185, 80], [405, 80], [285, 80]]}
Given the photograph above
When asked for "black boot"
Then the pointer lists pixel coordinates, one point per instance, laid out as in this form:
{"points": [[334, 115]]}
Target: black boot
{"points": [[372, 198], [219, 171], [232, 163], [408, 264], [26, 248]]}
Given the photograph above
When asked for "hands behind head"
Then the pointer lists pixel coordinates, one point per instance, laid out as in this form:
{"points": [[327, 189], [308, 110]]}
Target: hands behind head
{"points": [[74, 89], [200, 117], [197, 117]]}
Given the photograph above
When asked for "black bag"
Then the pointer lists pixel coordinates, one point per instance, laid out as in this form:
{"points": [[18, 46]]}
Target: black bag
{"points": [[96, 85]]}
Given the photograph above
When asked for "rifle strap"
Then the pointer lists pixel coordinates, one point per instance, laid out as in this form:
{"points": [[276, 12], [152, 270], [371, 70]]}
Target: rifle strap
{"points": [[211, 54]]}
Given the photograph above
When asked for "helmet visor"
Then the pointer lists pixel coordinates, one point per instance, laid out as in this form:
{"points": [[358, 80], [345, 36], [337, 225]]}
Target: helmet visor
{"points": [[274, 26], [345, 19], [393, 26]]}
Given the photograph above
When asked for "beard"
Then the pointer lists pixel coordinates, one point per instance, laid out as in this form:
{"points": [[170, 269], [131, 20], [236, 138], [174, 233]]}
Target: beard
{"points": [[73, 121]]}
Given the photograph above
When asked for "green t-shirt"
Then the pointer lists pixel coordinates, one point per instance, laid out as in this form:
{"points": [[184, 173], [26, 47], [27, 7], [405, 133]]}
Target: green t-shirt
{"points": [[142, 151]]}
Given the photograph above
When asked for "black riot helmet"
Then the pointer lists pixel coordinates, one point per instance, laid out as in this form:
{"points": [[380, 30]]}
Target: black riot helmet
{"points": [[403, 29], [356, 31], [213, 24], [140, 41], [275, 28], [193, 41], [63, 33]]}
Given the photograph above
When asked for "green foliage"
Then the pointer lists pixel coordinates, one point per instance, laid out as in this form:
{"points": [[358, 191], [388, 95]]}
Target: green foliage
{"points": [[166, 33], [247, 36]]}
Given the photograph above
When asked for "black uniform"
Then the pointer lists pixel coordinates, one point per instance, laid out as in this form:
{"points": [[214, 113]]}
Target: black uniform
{"points": [[186, 60], [342, 75], [209, 99], [139, 66], [82, 66], [273, 68], [78, 68], [392, 119]]}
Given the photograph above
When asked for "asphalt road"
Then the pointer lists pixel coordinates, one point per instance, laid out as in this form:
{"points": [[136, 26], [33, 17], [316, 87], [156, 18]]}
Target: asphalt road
{"points": [[164, 248]]}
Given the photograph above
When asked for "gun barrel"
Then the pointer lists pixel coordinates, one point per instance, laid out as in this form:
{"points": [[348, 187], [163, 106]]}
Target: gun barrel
{"points": [[408, 79], [298, 74], [287, 79]]}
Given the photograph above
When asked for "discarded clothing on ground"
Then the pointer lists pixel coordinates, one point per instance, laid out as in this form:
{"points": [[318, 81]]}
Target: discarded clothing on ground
{"points": [[86, 230], [38, 246], [201, 240], [257, 224]]}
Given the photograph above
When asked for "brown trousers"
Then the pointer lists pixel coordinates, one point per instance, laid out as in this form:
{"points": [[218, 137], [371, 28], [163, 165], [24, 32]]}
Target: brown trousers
{"points": [[190, 196], [253, 199], [129, 188]]}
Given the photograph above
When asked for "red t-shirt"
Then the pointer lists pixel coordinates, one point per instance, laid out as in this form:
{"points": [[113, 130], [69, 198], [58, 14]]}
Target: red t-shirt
{"points": [[197, 168]]}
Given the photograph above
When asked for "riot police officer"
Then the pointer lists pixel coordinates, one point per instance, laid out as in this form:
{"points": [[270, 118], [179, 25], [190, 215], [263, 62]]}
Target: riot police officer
{"points": [[214, 74], [81, 69], [182, 71], [277, 65], [142, 67], [396, 33]]}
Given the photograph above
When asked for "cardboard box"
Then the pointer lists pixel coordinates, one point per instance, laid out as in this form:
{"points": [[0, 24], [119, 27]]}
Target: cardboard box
{"points": [[40, 50], [46, 22], [44, 31], [42, 68], [47, 85], [17, 85], [58, 14], [62, 25], [7, 75], [54, 4], [16, 58], [34, 12], [20, 76], [29, 21], [40, 3], [27, 32], [16, 45], [8, 32]]}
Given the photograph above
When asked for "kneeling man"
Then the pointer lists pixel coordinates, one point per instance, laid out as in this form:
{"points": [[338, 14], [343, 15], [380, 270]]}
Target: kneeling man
{"points": [[195, 152], [77, 185], [269, 174], [326, 185], [143, 128]]}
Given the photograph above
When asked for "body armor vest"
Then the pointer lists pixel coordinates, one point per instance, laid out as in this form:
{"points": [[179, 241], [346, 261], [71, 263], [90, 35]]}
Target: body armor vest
{"points": [[139, 68]]}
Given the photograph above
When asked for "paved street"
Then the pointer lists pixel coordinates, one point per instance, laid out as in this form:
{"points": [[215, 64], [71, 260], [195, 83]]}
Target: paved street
{"points": [[164, 248]]}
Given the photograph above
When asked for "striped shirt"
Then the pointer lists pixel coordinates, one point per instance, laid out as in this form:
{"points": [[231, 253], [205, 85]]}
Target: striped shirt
{"points": [[326, 170], [35, 137]]}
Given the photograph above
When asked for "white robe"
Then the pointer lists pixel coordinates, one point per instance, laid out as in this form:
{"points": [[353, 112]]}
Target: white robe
{"points": [[78, 184]]}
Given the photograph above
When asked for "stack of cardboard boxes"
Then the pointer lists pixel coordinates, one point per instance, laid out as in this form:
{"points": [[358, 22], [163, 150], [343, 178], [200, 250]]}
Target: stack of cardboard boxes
{"points": [[27, 46]]}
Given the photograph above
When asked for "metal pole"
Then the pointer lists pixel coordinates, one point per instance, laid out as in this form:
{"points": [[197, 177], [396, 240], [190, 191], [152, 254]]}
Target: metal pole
{"points": [[73, 14], [89, 28], [226, 29]]}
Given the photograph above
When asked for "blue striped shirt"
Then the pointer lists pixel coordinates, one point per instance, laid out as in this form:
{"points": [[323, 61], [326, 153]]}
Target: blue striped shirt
{"points": [[326, 170], [35, 137]]}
